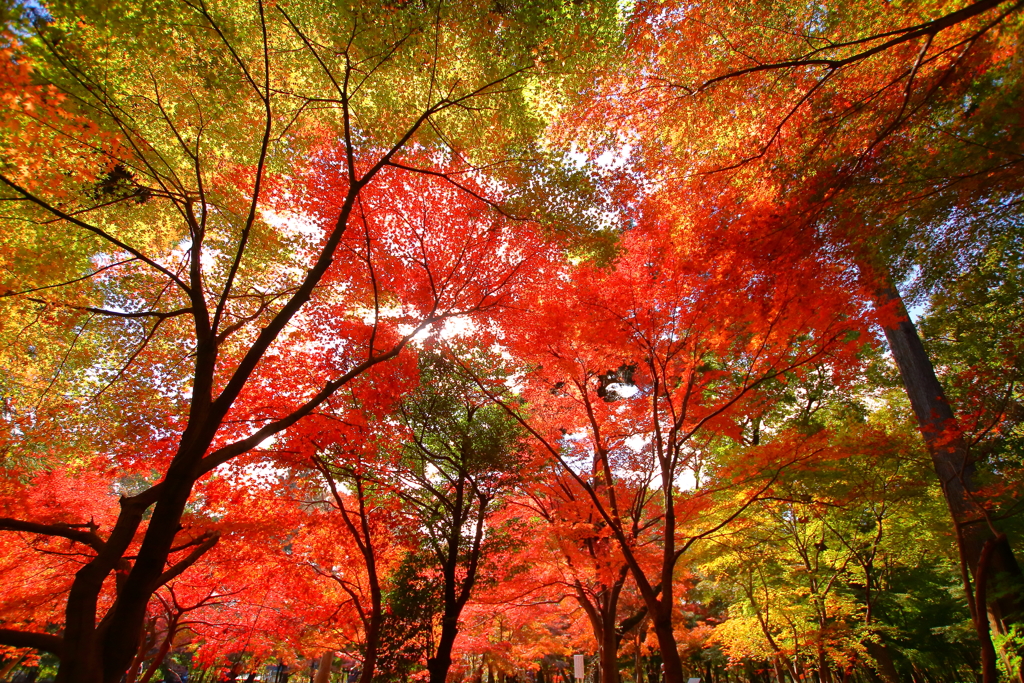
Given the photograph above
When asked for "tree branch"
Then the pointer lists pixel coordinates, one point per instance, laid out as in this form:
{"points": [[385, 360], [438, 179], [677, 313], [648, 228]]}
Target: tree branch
{"points": [[96, 231], [37, 641], [903, 35], [89, 538], [177, 568]]}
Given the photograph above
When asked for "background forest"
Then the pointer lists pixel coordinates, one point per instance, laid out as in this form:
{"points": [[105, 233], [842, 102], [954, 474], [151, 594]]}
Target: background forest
{"points": [[439, 340]]}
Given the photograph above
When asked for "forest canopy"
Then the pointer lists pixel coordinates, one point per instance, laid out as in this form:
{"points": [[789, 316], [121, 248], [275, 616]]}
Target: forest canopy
{"points": [[444, 340]]}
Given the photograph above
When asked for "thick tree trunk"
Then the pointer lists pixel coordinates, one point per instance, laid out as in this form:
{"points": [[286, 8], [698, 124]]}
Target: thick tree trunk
{"points": [[824, 673], [121, 635], [670, 659], [323, 671], [80, 659], [954, 466], [883, 661], [101, 651], [439, 664], [949, 453]]}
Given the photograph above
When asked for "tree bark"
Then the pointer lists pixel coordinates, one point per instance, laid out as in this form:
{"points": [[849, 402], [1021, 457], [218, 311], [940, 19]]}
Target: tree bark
{"points": [[165, 646], [363, 537], [670, 659], [609, 637], [953, 465], [602, 614], [439, 664], [148, 639], [456, 593], [883, 661], [988, 651], [9, 666], [323, 671], [372, 634]]}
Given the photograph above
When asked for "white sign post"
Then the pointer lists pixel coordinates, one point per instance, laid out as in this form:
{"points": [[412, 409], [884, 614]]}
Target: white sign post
{"points": [[577, 665], [693, 680]]}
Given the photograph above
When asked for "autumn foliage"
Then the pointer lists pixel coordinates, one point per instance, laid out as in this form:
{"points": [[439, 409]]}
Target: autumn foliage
{"points": [[443, 341]]}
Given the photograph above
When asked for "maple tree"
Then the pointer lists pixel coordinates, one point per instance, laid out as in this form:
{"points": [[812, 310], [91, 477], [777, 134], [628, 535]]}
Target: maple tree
{"points": [[445, 458], [586, 567], [461, 459], [690, 360], [812, 587]]}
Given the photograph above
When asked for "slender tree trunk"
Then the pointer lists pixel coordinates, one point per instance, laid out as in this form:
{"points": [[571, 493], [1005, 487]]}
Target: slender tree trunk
{"points": [[988, 651], [609, 651], [638, 663], [372, 636], [602, 617], [780, 673], [165, 646], [363, 537], [454, 598], [661, 609], [438, 665], [879, 652], [952, 462], [9, 666], [133, 670], [373, 623]]}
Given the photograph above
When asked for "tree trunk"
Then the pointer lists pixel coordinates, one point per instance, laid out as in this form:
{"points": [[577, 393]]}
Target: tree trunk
{"points": [[456, 593], [824, 673], [148, 639], [372, 637], [9, 666], [670, 659], [602, 614], [439, 664], [638, 661], [101, 651], [883, 661], [609, 638], [323, 671], [952, 462], [780, 671], [172, 628], [361, 534], [988, 652]]}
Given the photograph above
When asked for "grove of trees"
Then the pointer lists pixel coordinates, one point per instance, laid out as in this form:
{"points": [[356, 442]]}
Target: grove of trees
{"points": [[439, 340]]}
